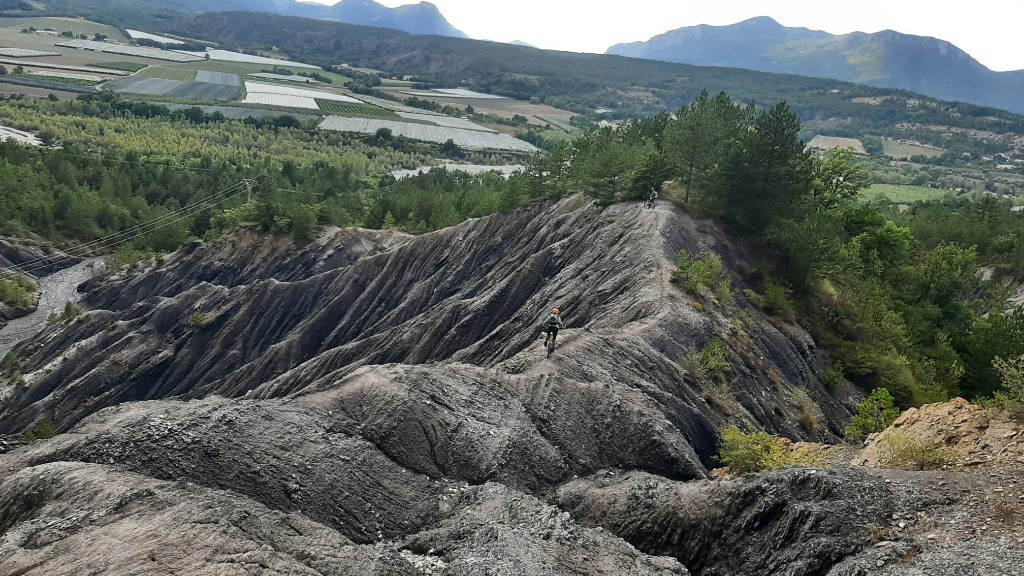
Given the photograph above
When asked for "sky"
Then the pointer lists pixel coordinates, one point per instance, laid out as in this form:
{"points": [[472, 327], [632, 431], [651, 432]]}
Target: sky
{"points": [[985, 29]]}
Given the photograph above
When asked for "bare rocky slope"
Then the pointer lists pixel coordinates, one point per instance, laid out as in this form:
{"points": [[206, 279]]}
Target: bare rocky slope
{"points": [[377, 403]]}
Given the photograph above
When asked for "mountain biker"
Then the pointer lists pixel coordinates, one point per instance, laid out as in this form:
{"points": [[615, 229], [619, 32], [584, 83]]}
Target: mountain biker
{"points": [[552, 324], [652, 198]]}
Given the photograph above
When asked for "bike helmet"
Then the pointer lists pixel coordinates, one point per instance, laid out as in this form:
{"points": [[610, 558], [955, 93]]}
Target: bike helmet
{"points": [[555, 311]]}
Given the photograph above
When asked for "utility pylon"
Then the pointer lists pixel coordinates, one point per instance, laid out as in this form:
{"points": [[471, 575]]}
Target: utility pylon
{"points": [[250, 184]]}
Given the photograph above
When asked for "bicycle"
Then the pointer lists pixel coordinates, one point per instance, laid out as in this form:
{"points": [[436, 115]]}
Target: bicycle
{"points": [[551, 344], [649, 203]]}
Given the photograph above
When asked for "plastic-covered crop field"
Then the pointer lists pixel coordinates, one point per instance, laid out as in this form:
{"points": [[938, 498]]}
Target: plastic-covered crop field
{"points": [[468, 139]]}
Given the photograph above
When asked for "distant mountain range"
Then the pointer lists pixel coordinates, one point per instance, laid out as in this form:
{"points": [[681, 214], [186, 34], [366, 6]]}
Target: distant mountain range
{"points": [[422, 19], [887, 59]]}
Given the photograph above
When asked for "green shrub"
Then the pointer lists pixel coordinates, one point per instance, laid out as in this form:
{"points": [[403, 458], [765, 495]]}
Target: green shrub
{"points": [[127, 256], [196, 320], [71, 310], [18, 292], [702, 275], [10, 363], [712, 360], [777, 302], [898, 451], [1011, 377], [43, 430], [742, 452], [874, 414], [834, 377]]}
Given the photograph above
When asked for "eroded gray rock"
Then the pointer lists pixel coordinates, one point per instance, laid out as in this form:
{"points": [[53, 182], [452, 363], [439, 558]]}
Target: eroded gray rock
{"points": [[391, 390]]}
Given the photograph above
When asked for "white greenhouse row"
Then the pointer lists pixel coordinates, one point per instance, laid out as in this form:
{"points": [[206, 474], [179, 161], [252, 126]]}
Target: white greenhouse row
{"points": [[137, 34], [467, 139], [449, 121], [229, 56], [154, 53], [264, 88], [284, 100]]}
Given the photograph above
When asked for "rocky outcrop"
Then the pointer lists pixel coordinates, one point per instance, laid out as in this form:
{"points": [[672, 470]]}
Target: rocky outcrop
{"points": [[33, 256], [970, 434], [391, 391], [90, 518], [471, 294], [794, 522]]}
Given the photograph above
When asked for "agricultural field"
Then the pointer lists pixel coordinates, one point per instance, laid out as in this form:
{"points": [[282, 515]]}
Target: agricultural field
{"points": [[563, 126], [36, 64], [223, 78], [25, 53], [392, 105], [448, 121], [289, 96], [820, 142], [122, 66], [39, 92], [904, 150], [354, 110], [167, 74], [282, 78], [138, 34], [281, 100], [84, 78], [244, 69], [903, 194], [73, 25], [175, 89], [142, 51], [452, 93], [239, 112], [466, 139], [228, 56], [502, 107]]}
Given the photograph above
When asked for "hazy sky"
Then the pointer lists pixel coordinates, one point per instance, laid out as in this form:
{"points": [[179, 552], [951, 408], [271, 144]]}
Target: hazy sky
{"points": [[986, 29]]}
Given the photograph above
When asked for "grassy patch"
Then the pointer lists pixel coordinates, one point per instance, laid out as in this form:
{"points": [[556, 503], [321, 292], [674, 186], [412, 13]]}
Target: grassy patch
{"points": [[905, 453], [74, 25], [125, 66], [901, 193], [167, 73], [354, 110], [904, 150]]}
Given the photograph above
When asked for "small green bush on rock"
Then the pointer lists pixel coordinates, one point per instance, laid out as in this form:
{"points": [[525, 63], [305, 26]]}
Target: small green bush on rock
{"points": [[743, 452], [43, 430], [898, 451]]}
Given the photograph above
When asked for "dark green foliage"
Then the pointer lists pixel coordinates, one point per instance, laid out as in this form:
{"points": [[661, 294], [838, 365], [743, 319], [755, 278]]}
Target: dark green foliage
{"points": [[744, 452], [10, 363], [70, 310], [767, 172], [874, 414], [17, 292], [354, 110], [43, 430], [699, 139]]}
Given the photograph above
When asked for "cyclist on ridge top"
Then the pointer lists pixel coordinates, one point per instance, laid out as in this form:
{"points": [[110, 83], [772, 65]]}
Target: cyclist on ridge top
{"points": [[553, 323]]}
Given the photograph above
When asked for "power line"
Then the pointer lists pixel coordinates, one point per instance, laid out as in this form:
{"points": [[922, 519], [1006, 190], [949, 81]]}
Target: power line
{"points": [[38, 263]]}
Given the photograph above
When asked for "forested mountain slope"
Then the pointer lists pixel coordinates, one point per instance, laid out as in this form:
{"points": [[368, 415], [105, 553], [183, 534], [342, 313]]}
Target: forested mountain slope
{"points": [[583, 83], [419, 18], [889, 59]]}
